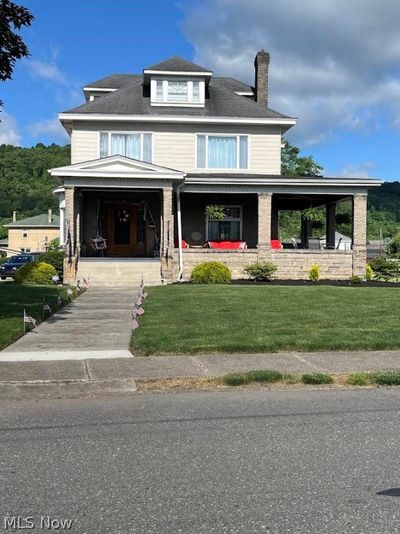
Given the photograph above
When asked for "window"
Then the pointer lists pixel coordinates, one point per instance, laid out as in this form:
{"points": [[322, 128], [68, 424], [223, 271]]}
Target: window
{"points": [[24, 250], [25, 233], [222, 152], [230, 229], [137, 145], [177, 91]]}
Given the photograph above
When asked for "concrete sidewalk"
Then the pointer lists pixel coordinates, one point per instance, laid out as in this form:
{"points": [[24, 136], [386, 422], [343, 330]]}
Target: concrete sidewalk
{"points": [[116, 375]]}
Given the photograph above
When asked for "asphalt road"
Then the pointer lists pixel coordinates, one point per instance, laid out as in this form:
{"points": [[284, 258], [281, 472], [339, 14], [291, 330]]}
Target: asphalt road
{"points": [[238, 462]]}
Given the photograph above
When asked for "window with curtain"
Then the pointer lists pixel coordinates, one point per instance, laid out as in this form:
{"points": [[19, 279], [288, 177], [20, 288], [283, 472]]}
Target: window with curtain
{"points": [[230, 229], [137, 146], [222, 152], [177, 91]]}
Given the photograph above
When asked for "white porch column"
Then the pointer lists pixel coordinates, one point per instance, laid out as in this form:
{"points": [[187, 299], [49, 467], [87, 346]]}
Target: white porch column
{"points": [[359, 234], [264, 226]]}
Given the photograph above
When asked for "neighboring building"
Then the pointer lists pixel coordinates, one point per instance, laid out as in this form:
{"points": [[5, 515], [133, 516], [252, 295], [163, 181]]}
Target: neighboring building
{"points": [[342, 242], [32, 234], [150, 152], [3, 247]]}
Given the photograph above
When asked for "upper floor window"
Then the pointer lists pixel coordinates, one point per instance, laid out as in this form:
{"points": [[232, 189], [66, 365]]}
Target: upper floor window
{"points": [[177, 91], [24, 233], [132, 145], [222, 151]]}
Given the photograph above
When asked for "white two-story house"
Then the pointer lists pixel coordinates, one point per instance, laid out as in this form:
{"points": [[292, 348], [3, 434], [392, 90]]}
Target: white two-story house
{"points": [[152, 152]]}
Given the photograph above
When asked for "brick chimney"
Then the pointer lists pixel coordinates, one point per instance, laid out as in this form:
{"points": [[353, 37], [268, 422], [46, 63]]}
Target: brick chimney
{"points": [[261, 64], [49, 215], [14, 216]]}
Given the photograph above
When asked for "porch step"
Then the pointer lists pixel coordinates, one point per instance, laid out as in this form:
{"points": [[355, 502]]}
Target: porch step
{"points": [[110, 272]]}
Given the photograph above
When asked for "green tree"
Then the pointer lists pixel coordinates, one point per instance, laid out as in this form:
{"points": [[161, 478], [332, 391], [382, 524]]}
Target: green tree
{"points": [[293, 164], [12, 18]]}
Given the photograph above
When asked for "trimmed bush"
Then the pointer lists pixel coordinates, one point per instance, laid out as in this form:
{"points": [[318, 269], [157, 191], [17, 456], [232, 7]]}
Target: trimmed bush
{"points": [[369, 273], [313, 273], [317, 378], [37, 273], [387, 378], [235, 379], [385, 269], [359, 379], [212, 272], [55, 258], [356, 279], [264, 376], [261, 270]]}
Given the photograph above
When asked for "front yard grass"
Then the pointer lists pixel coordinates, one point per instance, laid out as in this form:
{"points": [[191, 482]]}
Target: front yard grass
{"points": [[14, 298], [189, 319]]}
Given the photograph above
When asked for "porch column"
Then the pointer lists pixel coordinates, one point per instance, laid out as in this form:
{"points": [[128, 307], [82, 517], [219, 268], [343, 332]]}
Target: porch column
{"points": [[274, 221], [330, 225], [69, 260], [264, 226], [359, 234], [167, 244], [306, 228], [78, 221]]}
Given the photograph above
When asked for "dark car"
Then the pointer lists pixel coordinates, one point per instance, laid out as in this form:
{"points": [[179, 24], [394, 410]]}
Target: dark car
{"points": [[11, 266]]}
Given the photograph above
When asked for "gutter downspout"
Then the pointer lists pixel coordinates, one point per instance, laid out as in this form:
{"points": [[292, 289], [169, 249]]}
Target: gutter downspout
{"points": [[179, 221]]}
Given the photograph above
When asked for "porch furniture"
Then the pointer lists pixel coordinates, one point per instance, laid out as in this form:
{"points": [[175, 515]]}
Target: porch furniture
{"points": [[99, 243], [294, 242], [276, 244], [184, 244], [314, 243], [227, 245]]}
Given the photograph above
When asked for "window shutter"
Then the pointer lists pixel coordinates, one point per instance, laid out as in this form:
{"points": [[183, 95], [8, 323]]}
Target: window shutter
{"points": [[201, 151], [103, 144], [243, 149], [147, 152]]}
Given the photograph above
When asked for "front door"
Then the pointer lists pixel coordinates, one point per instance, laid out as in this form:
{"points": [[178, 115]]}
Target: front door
{"points": [[126, 232]]}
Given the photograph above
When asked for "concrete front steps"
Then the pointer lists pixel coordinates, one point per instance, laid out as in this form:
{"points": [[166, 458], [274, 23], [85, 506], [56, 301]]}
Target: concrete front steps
{"points": [[120, 272]]}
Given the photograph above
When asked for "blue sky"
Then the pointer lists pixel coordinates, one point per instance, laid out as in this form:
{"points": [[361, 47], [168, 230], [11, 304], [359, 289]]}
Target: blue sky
{"points": [[333, 65]]}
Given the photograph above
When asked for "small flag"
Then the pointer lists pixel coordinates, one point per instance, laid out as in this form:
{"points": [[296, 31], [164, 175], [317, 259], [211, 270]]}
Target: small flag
{"points": [[28, 319], [46, 307], [138, 308], [145, 295], [59, 300], [79, 289], [134, 322], [86, 282]]}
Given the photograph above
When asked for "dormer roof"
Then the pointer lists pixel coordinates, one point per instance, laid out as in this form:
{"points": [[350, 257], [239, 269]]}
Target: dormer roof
{"points": [[177, 64]]}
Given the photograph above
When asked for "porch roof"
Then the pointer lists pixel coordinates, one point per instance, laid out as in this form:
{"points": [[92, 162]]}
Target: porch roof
{"points": [[117, 171]]}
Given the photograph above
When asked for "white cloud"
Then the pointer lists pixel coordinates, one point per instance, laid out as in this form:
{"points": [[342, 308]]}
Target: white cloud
{"points": [[362, 170], [48, 127], [334, 63], [9, 134], [47, 70]]}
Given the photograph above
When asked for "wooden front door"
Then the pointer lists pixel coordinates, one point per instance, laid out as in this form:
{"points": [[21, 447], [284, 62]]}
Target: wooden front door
{"points": [[126, 231]]}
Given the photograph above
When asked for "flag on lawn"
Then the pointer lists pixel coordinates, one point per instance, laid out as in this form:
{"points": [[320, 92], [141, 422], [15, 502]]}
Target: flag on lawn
{"points": [[145, 295], [86, 282], [138, 308], [134, 322], [78, 288], [69, 293], [28, 319], [59, 300]]}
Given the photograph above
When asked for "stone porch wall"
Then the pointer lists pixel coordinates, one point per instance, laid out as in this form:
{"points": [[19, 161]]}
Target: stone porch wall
{"points": [[295, 264], [292, 265], [236, 260]]}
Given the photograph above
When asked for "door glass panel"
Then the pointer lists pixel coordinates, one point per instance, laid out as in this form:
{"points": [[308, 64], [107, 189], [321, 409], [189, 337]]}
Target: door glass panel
{"points": [[140, 227], [122, 226]]}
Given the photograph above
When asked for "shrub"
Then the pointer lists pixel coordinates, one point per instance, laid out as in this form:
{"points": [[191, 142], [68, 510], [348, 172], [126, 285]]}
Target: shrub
{"points": [[359, 379], [235, 379], [393, 247], [317, 378], [264, 376], [387, 378], [212, 272], [55, 258], [290, 378], [369, 273], [313, 273], [356, 279], [37, 273], [385, 268], [261, 270]]}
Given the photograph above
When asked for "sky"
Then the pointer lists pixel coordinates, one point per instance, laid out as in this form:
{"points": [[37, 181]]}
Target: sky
{"points": [[335, 65]]}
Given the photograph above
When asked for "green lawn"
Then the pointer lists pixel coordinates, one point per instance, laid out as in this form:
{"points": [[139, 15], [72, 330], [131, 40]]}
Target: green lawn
{"points": [[208, 319], [14, 298]]}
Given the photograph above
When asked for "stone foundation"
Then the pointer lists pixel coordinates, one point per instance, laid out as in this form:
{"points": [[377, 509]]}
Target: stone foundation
{"points": [[236, 260], [295, 264]]}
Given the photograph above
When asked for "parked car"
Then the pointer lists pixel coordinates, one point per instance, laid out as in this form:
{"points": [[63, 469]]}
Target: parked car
{"points": [[11, 266]]}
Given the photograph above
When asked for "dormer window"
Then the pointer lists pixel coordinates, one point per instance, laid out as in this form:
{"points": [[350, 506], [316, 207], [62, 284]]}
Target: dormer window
{"points": [[176, 91]]}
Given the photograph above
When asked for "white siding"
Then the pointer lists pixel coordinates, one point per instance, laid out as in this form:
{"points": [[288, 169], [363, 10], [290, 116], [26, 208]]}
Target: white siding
{"points": [[174, 146]]}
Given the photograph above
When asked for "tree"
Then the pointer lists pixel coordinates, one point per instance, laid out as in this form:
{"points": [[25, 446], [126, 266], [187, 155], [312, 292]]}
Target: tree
{"points": [[12, 18], [295, 165]]}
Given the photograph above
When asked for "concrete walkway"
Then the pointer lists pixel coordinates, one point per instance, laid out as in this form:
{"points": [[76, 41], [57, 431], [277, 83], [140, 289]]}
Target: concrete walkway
{"points": [[95, 325]]}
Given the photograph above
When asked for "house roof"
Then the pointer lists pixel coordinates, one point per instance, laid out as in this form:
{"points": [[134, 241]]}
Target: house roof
{"points": [[133, 99], [177, 64], [36, 221]]}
